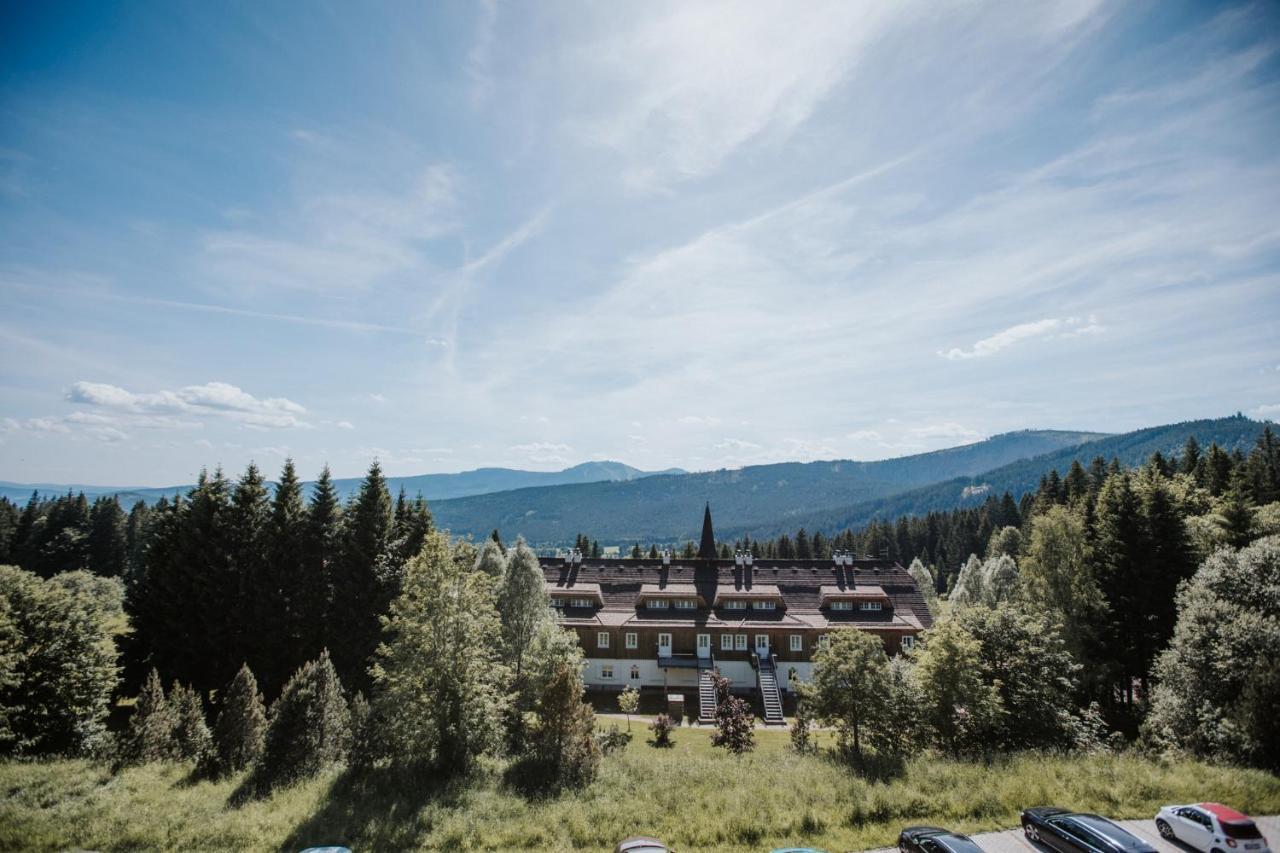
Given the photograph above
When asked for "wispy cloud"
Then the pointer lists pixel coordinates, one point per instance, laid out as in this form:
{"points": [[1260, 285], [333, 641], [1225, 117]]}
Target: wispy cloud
{"points": [[217, 399]]}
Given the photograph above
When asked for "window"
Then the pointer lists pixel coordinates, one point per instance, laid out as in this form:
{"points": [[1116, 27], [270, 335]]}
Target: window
{"points": [[581, 602], [762, 641], [869, 605], [631, 640], [842, 605], [606, 671], [726, 642], [602, 639], [797, 643], [908, 643], [686, 604], [704, 642], [664, 642], [735, 604], [657, 604], [740, 642], [764, 605], [824, 641], [557, 602], [635, 671]]}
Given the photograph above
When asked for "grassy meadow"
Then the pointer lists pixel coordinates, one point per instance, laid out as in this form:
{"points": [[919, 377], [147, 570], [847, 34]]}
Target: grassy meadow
{"points": [[694, 797]]}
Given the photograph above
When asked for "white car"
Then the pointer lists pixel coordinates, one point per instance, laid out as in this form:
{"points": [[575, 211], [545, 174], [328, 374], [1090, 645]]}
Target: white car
{"points": [[1212, 828]]}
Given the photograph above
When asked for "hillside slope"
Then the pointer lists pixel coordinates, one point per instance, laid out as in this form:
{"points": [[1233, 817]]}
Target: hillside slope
{"points": [[670, 507], [1132, 448]]}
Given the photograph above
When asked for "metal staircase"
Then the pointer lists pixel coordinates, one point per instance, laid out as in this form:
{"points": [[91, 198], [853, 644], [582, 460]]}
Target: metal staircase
{"points": [[767, 678], [706, 693]]}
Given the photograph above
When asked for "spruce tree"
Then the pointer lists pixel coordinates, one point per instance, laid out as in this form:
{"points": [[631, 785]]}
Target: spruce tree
{"points": [[563, 745], [314, 593], [256, 605], [191, 735], [239, 734], [277, 596], [1120, 557], [152, 728], [108, 540], [310, 726], [361, 591]]}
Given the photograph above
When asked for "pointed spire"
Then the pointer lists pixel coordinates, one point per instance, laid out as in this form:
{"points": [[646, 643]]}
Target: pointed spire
{"points": [[707, 551]]}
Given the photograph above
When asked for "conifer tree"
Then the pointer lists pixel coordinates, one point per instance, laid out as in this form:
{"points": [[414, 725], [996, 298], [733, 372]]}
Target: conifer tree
{"points": [[491, 560], [191, 735], [1236, 514], [277, 597], [108, 543], [240, 732], [152, 728], [1119, 554], [361, 594], [563, 745], [247, 630], [309, 729], [315, 592]]}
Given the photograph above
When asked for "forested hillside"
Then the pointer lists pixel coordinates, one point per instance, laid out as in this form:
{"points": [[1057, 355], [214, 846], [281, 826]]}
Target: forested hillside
{"points": [[668, 508], [1018, 478]]}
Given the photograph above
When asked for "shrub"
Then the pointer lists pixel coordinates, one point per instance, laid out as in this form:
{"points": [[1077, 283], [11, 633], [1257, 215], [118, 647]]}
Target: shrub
{"points": [[240, 733], [802, 741], [662, 727], [563, 747], [613, 739], [735, 724]]}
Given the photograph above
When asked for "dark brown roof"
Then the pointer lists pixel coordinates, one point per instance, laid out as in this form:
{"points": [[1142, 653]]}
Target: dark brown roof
{"points": [[800, 583]]}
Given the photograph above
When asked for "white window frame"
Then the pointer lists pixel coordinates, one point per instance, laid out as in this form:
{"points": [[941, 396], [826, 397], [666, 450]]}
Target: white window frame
{"points": [[686, 604], [764, 605], [767, 644], [735, 604], [657, 604], [667, 644], [631, 640], [908, 642], [869, 605], [704, 641], [824, 640], [739, 642], [602, 639], [557, 601], [726, 642], [581, 602], [635, 671], [842, 605], [606, 670], [797, 642]]}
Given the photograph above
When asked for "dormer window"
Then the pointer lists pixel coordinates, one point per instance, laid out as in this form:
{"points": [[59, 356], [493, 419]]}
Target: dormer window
{"points": [[764, 605], [580, 602], [686, 604], [735, 604], [869, 605], [657, 604], [842, 605]]}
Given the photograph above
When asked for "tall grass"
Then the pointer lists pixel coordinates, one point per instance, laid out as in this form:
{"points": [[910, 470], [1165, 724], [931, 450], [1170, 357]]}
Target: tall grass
{"points": [[692, 796]]}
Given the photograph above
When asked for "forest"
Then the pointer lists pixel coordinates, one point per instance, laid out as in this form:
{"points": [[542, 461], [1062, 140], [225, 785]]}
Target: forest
{"points": [[1113, 610]]}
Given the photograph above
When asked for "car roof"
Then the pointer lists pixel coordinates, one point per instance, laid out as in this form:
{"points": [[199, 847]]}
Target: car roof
{"points": [[1222, 812], [1111, 830], [921, 830]]}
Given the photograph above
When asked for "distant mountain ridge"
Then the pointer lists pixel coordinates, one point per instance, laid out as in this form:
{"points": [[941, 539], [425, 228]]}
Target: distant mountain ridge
{"points": [[431, 486], [664, 508]]}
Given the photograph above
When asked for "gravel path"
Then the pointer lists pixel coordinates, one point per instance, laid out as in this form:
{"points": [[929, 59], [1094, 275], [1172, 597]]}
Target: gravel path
{"points": [[1013, 841]]}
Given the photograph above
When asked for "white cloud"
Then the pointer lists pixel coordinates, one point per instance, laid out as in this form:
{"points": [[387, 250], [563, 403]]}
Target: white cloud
{"points": [[1003, 340], [218, 399], [542, 451], [948, 430], [864, 435], [345, 425], [736, 444], [1268, 411], [699, 420]]}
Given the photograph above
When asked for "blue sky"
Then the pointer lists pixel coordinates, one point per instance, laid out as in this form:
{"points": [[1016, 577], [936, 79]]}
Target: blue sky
{"points": [[460, 234]]}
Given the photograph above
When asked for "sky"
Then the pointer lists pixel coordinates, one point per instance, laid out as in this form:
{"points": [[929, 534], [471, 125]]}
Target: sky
{"points": [[462, 234]]}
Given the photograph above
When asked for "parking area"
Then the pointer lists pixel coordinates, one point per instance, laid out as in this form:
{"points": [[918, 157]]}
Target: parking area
{"points": [[1013, 841]]}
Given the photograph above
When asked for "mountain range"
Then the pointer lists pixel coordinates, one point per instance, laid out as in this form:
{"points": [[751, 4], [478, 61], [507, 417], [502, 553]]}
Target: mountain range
{"points": [[431, 486], [618, 504]]}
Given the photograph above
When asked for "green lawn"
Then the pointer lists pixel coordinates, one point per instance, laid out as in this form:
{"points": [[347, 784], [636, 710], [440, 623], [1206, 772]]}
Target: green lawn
{"points": [[693, 796]]}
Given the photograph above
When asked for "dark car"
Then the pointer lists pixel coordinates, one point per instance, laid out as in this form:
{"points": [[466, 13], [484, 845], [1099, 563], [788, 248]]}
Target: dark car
{"points": [[933, 839], [1074, 832]]}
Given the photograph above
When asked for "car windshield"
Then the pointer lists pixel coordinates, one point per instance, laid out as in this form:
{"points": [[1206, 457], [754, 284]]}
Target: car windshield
{"points": [[1109, 831], [1241, 829], [958, 844]]}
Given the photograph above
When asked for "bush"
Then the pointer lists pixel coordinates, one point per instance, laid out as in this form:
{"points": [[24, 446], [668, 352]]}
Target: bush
{"points": [[662, 727], [563, 747], [802, 741], [613, 739], [735, 724]]}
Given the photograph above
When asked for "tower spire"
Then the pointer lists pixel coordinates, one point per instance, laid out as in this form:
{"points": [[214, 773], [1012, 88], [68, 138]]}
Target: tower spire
{"points": [[707, 551]]}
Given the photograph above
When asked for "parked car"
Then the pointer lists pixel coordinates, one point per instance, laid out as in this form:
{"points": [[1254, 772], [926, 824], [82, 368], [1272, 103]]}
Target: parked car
{"points": [[1073, 832], [641, 844], [797, 850], [1211, 827], [933, 839]]}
